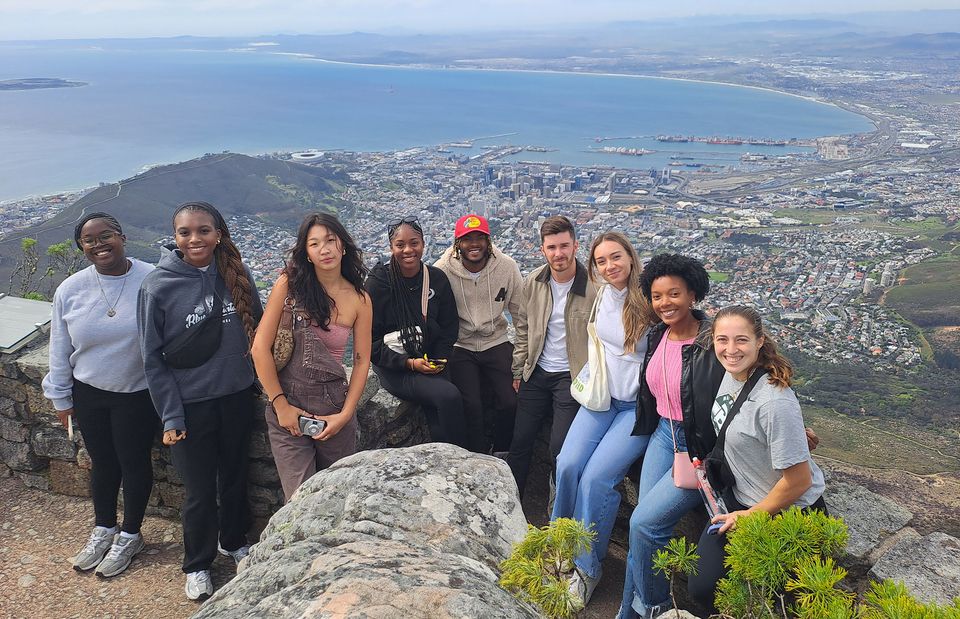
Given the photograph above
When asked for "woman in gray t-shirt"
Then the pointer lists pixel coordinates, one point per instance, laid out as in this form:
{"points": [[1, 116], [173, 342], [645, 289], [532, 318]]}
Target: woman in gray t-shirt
{"points": [[765, 444]]}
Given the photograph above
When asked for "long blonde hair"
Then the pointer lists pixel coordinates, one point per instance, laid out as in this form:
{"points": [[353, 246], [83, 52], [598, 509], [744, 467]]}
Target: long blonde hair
{"points": [[637, 313]]}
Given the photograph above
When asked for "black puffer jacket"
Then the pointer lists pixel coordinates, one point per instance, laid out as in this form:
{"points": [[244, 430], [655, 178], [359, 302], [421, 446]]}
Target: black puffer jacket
{"points": [[699, 382]]}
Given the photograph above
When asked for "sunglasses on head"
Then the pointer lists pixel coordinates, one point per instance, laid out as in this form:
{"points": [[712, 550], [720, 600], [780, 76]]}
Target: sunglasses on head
{"points": [[396, 223]]}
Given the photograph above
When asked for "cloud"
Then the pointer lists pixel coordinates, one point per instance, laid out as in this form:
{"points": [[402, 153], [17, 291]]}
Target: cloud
{"points": [[24, 19]]}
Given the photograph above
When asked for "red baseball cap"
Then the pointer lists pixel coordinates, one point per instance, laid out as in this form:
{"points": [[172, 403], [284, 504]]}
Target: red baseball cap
{"points": [[471, 223]]}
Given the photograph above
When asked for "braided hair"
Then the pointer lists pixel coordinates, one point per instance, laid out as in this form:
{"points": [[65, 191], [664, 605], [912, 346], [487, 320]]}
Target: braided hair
{"points": [[411, 339], [110, 219], [229, 265]]}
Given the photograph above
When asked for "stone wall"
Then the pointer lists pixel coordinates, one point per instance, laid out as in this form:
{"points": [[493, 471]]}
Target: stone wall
{"points": [[35, 447]]}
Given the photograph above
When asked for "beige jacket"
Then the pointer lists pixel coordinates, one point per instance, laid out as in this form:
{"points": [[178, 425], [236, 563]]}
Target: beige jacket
{"points": [[482, 301], [538, 305]]}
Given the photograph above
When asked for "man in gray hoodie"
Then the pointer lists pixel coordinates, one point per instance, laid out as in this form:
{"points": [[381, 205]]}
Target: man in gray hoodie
{"points": [[485, 283]]}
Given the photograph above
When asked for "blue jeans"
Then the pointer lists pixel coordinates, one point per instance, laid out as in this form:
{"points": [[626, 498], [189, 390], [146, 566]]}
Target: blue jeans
{"points": [[595, 456], [660, 506]]}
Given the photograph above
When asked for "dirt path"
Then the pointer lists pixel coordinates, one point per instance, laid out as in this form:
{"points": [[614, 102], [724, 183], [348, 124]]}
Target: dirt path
{"points": [[39, 534]]}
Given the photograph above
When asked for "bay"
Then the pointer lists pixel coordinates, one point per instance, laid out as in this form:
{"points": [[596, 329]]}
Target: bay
{"points": [[147, 107]]}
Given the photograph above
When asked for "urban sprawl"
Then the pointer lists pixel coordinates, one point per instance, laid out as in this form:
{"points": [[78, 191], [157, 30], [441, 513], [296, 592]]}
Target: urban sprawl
{"points": [[812, 239]]}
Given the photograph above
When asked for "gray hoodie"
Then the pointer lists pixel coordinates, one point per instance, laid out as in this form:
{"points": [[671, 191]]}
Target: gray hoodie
{"points": [[482, 300], [173, 298]]}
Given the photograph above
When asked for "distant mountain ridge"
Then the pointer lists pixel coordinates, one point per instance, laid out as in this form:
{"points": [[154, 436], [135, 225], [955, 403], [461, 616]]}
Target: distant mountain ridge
{"points": [[279, 191]]}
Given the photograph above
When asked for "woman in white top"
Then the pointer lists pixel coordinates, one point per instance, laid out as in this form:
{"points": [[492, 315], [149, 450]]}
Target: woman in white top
{"points": [[599, 448], [96, 376]]}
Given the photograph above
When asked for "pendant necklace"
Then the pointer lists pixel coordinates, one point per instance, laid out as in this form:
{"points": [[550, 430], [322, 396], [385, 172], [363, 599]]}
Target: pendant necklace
{"points": [[112, 309]]}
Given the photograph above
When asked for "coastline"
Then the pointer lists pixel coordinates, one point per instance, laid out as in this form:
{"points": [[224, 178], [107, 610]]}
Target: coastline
{"points": [[87, 185], [427, 67]]}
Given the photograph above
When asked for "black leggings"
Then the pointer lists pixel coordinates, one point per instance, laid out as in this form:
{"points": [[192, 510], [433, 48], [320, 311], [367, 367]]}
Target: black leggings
{"points": [[439, 398], [212, 461], [713, 550], [118, 430]]}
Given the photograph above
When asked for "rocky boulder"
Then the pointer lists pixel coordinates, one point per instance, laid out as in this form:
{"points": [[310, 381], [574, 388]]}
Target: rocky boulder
{"points": [[870, 517], [413, 532], [929, 566]]}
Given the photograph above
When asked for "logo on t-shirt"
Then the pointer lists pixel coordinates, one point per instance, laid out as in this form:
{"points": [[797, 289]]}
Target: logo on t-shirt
{"points": [[721, 408]]}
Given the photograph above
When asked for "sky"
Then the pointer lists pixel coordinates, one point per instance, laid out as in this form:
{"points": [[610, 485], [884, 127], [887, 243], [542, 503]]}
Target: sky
{"points": [[53, 19]]}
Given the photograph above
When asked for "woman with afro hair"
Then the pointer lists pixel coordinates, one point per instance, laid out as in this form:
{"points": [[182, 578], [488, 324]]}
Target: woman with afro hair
{"points": [[678, 378]]}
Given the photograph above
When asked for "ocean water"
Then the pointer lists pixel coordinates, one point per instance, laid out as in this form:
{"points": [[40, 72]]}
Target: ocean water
{"points": [[147, 107]]}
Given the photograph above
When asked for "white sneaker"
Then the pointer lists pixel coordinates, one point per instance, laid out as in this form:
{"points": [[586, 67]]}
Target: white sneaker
{"points": [[237, 555], [199, 586], [582, 586], [122, 552], [97, 547]]}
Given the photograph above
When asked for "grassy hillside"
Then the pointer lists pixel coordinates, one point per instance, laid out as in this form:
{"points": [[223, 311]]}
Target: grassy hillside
{"points": [[270, 189]]}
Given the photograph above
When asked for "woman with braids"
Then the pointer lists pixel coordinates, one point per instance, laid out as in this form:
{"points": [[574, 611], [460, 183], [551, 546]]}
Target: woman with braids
{"points": [[201, 381], [599, 447], [95, 323], [321, 292], [415, 324], [765, 450]]}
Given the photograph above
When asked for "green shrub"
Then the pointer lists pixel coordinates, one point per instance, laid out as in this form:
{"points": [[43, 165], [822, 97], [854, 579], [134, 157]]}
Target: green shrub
{"points": [[535, 571], [784, 566]]}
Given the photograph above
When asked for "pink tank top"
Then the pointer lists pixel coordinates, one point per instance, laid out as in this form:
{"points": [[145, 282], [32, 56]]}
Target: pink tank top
{"points": [[335, 339], [673, 351]]}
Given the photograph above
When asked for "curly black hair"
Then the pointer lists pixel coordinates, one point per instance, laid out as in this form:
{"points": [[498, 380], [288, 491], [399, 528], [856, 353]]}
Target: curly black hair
{"points": [[689, 269]]}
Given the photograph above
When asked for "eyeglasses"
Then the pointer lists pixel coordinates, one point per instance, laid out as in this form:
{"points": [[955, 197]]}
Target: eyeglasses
{"points": [[396, 223], [104, 237]]}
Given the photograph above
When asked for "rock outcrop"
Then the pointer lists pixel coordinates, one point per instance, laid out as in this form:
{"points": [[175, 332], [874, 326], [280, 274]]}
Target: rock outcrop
{"points": [[415, 532], [881, 545], [929, 566]]}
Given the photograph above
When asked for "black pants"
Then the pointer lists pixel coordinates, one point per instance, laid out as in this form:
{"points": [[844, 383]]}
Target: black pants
{"points": [[483, 377], [212, 461], [118, 430], [439, 398], [544, 396], [713, 550]]}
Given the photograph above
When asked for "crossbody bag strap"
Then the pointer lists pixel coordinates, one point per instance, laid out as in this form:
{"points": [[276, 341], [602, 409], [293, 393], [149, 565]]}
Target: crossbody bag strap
{"points": [[748, 386], [424, 291], [286, 316], [666, 388], [596, 304], [219, 289]]}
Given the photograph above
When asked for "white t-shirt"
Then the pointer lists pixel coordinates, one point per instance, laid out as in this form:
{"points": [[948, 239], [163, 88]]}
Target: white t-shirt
{"points": [[553, 358], [623, 370]]}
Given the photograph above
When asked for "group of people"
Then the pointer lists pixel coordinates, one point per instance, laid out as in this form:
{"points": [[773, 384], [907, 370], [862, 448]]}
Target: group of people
{"points": [[189, 347]]}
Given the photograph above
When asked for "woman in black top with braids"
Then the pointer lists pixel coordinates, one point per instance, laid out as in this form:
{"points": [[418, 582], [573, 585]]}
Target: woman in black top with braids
{"points": [[410, 345]]}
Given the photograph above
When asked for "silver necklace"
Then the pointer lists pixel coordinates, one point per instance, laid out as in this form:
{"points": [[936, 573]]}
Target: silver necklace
{"points": [[112, 309]]}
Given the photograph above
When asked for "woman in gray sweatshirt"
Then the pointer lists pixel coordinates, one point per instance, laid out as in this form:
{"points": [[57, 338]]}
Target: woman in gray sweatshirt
{"points": [[94, 322], [206, 404]]}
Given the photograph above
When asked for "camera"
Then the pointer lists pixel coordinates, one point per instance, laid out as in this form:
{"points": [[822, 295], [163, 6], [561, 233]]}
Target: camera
{"points": [[311, 427]]}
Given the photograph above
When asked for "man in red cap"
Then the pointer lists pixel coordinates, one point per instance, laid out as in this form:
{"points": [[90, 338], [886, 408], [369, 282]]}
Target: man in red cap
{"points": [[485, 283]]}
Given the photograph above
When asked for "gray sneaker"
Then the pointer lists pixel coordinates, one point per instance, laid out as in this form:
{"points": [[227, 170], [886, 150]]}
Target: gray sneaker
{"points": [[92, 554], [122, 552], [237, 555], [199, 586]]}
